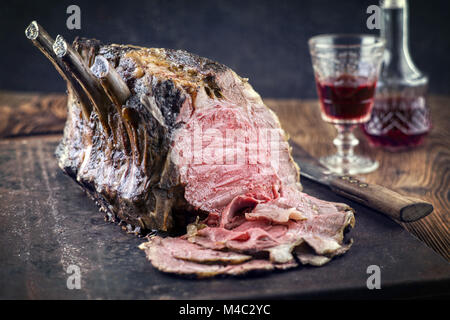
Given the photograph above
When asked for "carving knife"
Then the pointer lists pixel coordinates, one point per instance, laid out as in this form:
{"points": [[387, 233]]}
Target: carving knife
{"points": [[398, 207]]}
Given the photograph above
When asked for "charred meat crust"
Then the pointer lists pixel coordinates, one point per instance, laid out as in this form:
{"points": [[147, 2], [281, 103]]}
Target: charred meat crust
{"points": [[146, 138]]}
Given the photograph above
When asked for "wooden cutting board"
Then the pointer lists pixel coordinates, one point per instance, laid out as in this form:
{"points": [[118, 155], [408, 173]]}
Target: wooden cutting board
{"points": [[47, 224]]}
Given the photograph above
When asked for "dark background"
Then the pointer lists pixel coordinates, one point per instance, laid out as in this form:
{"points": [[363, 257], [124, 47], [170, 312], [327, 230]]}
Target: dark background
{"points": [[265, 41]]}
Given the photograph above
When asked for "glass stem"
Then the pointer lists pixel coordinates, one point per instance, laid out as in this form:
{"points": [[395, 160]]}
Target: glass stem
{"points": [[345, 141]]}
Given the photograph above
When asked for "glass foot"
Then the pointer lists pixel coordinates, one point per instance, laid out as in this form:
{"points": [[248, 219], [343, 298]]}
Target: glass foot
{"points": [[349, 165]]}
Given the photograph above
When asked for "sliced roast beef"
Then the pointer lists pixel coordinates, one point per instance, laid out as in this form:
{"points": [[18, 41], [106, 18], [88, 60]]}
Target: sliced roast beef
{"points": [[185, 250], [160, 138], [263, 244], [323, 231], [161, 253]]}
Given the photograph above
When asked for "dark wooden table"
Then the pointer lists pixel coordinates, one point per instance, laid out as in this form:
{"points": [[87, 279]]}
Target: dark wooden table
{"points": [[422, 172]]}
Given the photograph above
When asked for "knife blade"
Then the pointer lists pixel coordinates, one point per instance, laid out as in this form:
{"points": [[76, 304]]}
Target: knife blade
{"points": [[396, 206]]}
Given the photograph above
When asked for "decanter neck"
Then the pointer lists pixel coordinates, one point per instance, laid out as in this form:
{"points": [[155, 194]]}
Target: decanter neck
{"points": [[395, 31]]}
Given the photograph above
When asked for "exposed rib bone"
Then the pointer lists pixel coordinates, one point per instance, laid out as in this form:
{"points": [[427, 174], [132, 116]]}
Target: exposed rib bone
{"points": [[76, 66], [42, 40], [110, 78], [118, 92]]}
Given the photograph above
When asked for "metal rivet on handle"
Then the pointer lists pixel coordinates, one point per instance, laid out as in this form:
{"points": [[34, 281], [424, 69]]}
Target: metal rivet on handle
{"points": [[345, 178], [363, 185], [353, 181]]}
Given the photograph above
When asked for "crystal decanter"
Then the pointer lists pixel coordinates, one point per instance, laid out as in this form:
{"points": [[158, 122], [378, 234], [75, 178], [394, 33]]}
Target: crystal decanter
{"points": [[400, 116]]}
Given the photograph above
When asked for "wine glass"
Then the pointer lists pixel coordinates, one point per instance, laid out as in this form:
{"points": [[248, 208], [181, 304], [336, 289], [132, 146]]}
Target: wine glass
{"points": [[346, 69]]}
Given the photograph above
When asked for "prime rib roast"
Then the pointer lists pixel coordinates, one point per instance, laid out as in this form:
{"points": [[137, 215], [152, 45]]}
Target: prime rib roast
{"points": [[166, 140]]}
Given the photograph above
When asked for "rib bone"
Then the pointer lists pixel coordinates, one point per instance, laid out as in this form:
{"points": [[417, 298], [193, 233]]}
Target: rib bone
{"points": [[118, 92], [76, 66], [44, 42], [110, 78]]}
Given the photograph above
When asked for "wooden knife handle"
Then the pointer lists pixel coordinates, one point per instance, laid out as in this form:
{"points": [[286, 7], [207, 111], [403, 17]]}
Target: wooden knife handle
{"points": [[396, 206]]}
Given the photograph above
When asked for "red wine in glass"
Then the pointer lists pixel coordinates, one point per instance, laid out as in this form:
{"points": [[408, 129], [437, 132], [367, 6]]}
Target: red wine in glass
{"points": [[346, 68], [346, 99]]}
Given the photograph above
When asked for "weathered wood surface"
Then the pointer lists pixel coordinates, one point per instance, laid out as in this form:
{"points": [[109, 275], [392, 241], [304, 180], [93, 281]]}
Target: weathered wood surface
{"points": [[422, 172], [29, 113], [48, 224]]}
